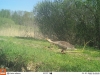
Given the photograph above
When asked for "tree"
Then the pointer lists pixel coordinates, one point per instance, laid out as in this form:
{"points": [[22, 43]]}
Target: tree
{"points": [[16, 18], [94, 7], [5, 13], [53, 18]]}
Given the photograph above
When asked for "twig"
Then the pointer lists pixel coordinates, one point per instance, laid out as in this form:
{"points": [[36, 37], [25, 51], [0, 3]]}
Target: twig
{"points": [[85, 44]]}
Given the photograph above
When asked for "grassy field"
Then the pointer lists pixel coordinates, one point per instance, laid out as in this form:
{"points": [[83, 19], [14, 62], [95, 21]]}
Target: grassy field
{"points": [[29, 54]]}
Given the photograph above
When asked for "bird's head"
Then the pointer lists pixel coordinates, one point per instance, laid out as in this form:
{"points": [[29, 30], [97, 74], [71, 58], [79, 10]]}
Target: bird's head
{"points": [[48, 39]]}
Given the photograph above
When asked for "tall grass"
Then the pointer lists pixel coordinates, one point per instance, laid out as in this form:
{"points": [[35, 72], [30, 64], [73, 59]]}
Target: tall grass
{"points": [[16, 30]]}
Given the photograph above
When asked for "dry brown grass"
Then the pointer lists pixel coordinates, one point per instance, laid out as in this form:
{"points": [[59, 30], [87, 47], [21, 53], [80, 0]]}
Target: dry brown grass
{"points": [[21, 31]]}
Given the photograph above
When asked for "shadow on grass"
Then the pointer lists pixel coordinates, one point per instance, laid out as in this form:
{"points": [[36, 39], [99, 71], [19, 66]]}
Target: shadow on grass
{"points": [[29, 38], [12, 65]]}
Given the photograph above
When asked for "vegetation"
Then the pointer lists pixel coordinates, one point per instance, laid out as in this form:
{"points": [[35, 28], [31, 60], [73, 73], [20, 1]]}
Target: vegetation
{"points": [[29, 54], [74, 21], [19, 17], [18, 23]]}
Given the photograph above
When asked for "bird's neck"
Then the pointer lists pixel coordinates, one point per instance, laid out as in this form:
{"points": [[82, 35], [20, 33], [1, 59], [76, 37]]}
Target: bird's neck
{"points": [[49, 40]]}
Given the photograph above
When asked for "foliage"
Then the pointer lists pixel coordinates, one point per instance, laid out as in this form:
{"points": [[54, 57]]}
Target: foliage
{"points": [[19, 17], [6, 21], [5, 13], [76, 21]]}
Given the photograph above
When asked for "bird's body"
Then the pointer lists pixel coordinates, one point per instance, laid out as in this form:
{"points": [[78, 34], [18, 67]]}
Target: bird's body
{"points": [[62, 44]]}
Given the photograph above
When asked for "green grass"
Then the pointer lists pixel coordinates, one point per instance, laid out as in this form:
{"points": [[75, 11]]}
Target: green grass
{"points": [[31, 54]]}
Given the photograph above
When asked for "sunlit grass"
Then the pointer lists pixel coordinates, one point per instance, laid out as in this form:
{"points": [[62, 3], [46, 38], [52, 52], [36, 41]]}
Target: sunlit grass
{"points": [[21, 51], [16, 30]]}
